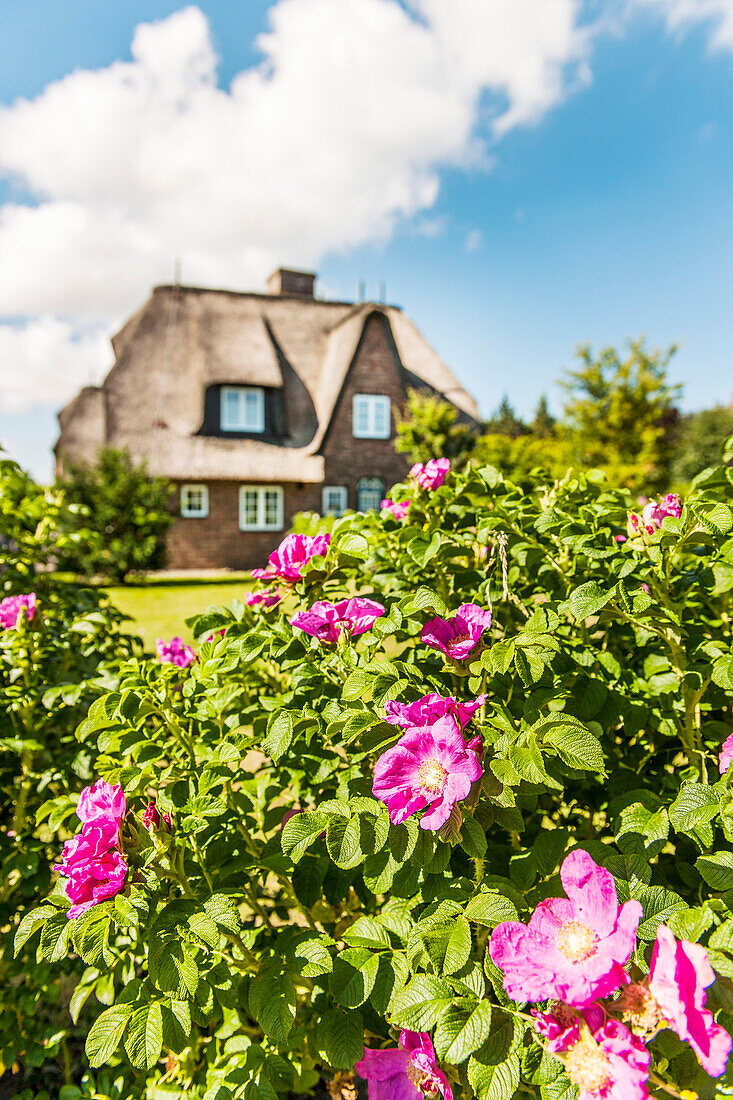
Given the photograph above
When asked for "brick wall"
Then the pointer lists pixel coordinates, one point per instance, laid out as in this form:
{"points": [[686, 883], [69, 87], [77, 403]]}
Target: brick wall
{"points": [[376, 369], [217, 543]]}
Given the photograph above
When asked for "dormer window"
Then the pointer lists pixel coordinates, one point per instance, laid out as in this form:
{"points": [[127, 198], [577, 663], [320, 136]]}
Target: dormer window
{"points": [[242, 409], [371, 416]]}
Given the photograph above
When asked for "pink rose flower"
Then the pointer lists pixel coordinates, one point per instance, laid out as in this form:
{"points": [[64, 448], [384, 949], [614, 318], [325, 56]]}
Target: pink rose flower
{"points": [[429, 767], [90, 881], [217, 634], [726, 755], [573, 950], [268, 597], [175, 652], [14, 608], [560, 1026], [102, 803], [432, 474], [293, 812], [291, 555], [457, 636], [611, 1064], [406, 1072], [653, 513], [399, 509], [679, 975], [325, 620], [635, 526], [429, 709], [90, 861]]}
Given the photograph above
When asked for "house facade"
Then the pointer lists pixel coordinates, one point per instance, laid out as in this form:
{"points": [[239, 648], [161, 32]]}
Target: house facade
{"points": [[257, 406]]}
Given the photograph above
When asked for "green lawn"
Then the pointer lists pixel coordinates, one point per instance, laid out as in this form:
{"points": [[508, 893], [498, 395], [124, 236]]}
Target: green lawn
{"points": [[159, 608]]}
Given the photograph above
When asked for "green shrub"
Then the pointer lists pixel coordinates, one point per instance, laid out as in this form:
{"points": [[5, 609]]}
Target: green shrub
{"points": [[119, 514], [51, 669], [279, 920]]}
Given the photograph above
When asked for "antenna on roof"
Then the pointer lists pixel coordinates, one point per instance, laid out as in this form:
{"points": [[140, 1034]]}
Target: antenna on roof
{"points": [[362, 290], [382, 293], [177, 273]]}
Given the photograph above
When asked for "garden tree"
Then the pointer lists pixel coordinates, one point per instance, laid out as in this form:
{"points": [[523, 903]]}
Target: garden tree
{"points": [[701, 437], [430, 428], [543, 423], [127, 509], [315, 849], [620, 413], [505, 421], [517, 458]]}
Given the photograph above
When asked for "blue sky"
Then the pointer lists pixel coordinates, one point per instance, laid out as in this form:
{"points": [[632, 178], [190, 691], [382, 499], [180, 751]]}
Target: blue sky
{"points": [[603, 212]]}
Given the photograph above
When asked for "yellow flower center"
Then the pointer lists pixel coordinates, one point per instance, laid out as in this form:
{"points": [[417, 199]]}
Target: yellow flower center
{"points": [[641, 1011], [432, 776], [576, 941], [587, 1066]]}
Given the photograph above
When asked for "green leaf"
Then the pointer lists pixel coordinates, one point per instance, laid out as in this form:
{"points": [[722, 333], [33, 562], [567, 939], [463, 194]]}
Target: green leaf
{"points": [[658, 905], [722, 672], [717, 870], [696, 804], [367, 932], [30, 923], [419, 1005], [340, 1037], [462, 1029], [492, 1082], [310, 957], [106, 1032], [300, 832], [354, 975], [144, 1036], [55, 936], [573, 742], [279, 734], [490, 909], [586, 600], [448, 945], [272, 999], [473, 838], [223, 911], [343, 842]]}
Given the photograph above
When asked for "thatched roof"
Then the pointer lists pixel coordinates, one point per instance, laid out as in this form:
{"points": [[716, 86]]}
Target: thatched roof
{"points": [[187, 338]]}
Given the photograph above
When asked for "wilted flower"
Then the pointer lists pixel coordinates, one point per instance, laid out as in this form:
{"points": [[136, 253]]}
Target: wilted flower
{"points": [[574, 949], [175, 652], [407, 1072], [287, 561], [399, 509], [429, 709], [611, 1064], [726, 755], [429, 767], [152, 817], [560, 1025], [432, 474], [635, 526], [268, 597], [674, 996], [457, 636], [326, 620], [13, 608]]}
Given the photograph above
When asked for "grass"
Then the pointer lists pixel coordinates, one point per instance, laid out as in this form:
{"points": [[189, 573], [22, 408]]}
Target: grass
{"points": [[159, 608]]}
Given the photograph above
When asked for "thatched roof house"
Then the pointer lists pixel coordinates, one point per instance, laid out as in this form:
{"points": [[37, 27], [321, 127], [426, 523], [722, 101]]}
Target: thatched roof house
{"points": [[257, 406]]}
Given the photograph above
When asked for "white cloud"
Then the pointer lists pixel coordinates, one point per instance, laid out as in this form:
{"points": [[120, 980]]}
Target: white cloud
{"points": [[681, 14], [335, 138], [473, 240], [45, 361]]}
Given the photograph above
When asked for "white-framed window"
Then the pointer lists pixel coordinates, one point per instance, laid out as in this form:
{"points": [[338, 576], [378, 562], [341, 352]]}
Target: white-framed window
{"points": [[369, 494], [371, 416], [195, 501], [334, 500], [260, 508], [242, 409]]}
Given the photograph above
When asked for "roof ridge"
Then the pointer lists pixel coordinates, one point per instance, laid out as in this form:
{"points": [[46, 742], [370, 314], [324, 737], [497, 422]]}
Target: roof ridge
{"points": [[264, 296]]}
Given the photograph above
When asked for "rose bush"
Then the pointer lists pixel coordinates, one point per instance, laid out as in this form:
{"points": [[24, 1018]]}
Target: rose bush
{"points": [[59, 647], [480, 846]]}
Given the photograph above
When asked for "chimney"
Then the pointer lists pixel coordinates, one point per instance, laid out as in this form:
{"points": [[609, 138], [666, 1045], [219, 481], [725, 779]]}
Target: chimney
{"points": [[291, 284]]}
